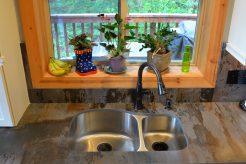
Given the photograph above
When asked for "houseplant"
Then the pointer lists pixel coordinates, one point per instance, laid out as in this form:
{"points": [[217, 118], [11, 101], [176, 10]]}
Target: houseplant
{"points": [[159, 53], [83, 51], [116, 41]]}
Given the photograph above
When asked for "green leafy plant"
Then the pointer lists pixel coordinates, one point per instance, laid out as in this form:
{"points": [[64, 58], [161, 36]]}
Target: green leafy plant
{"points": [[159, 42], [82, 42], [116, 40]]}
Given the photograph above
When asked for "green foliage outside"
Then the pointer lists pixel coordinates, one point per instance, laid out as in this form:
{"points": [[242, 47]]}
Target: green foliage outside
{"points": [[111, 6], [83, 6], [163, 6]]}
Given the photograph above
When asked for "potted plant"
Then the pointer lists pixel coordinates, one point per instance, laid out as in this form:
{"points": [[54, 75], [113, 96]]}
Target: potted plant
{"points": [[116, 41], [159, 53], [83, 50]]}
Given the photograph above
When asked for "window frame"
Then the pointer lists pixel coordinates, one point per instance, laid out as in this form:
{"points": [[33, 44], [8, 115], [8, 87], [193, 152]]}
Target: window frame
{"points": [[38, 39], [132, 17]]}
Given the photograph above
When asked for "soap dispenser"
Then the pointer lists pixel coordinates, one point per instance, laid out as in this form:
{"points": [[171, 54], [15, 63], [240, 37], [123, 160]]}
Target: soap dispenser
{"points": [[186, 58]]}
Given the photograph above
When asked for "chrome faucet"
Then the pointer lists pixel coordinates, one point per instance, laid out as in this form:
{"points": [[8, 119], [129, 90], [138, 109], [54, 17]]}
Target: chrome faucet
{"points": [[161, 87]]}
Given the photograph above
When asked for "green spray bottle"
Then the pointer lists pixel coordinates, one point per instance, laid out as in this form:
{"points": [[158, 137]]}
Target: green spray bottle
{"points": [[186, 58]]}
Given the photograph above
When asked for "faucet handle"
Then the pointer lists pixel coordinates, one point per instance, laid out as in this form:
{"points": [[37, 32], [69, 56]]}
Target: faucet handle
{"points": [[168, 104], [242, 105]]}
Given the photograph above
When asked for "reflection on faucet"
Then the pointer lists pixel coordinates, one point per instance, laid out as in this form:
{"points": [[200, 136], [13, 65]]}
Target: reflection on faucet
{"points": [[161, 87]]}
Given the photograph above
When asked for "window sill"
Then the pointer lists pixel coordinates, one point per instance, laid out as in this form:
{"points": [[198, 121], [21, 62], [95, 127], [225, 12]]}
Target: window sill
{"points": [[174, 78]]}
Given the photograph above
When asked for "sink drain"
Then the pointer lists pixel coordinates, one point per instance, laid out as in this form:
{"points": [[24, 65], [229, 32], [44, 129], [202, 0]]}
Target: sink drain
{"points": [[104, 147], [159, 146]]}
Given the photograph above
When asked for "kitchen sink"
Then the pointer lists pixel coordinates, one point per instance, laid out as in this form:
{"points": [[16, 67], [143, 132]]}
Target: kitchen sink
{"points": [[120, 130], [105, 130], [162, 133]]}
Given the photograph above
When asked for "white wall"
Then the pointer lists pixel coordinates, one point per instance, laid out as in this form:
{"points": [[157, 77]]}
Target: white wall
{"points": [[237, 35], [13, 67], [228, 20]]}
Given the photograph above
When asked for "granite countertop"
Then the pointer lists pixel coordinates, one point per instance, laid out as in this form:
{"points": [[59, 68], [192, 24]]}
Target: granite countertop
{"points": [[216, 133]]}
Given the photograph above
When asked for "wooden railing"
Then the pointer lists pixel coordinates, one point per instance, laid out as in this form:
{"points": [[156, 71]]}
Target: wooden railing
{"points": [[88, 22]]}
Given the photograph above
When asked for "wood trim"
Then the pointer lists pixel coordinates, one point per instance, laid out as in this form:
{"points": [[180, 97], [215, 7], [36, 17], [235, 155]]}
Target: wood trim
{"points": [[215, 41], [31, 38], [173, 79], [203, 75], [212, 26]]}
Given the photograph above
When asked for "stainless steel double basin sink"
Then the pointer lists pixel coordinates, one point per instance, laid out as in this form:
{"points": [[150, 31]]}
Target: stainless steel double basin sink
{"points": [[119, 130]]}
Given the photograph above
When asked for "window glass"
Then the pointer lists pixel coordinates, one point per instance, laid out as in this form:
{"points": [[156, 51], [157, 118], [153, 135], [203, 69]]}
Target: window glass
{"points": [[83, 6], [151, 15], [163, 6], [73, 17]]}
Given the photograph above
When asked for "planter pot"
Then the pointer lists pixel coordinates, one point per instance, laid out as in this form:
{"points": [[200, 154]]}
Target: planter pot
{"points": [[84, 63], [161, 61], [117, 64]]}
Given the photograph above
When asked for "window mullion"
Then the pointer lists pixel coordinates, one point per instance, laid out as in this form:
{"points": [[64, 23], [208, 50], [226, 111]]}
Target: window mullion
{"points": [[123, 11]]}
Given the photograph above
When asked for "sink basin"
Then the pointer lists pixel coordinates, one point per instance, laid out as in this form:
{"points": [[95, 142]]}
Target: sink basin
{"points": [[118, 130], [163, 133], [105, 130]]}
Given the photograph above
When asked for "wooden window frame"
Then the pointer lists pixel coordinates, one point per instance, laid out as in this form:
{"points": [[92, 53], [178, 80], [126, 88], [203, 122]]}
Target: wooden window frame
{"points": [[37, 34]]}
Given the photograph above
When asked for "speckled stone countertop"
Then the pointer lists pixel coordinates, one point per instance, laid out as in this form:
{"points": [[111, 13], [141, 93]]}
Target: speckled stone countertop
{"points": [[216, 133]]}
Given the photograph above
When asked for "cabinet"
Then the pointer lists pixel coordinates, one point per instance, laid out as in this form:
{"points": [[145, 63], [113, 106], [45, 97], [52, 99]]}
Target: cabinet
{"points": [[5, 112], [13, 89]]}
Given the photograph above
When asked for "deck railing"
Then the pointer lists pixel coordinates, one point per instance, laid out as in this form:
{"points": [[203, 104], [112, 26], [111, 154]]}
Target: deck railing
{"points": [[65, 26]]}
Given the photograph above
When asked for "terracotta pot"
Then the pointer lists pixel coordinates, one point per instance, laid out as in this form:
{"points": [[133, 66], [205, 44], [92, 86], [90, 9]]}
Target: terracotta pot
{"points": [[161, 61], [117, 64]]}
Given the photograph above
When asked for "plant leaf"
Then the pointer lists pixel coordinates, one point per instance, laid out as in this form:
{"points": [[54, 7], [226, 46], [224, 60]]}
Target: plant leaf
{"points": [[113, 35], [129, 27], [103, 44], [118, 19], [102, 29], [109, 47], [107, 35], [110, 27], [129, 37], [132, 33]]}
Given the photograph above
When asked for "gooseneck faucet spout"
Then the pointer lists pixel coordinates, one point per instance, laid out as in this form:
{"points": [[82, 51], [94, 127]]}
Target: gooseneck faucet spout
{"points": [[161, 87]]}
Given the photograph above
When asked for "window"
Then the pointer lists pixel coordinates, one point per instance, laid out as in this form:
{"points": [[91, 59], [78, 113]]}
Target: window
{"points": [[69, 18], [180, 15], [36, 24]]}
